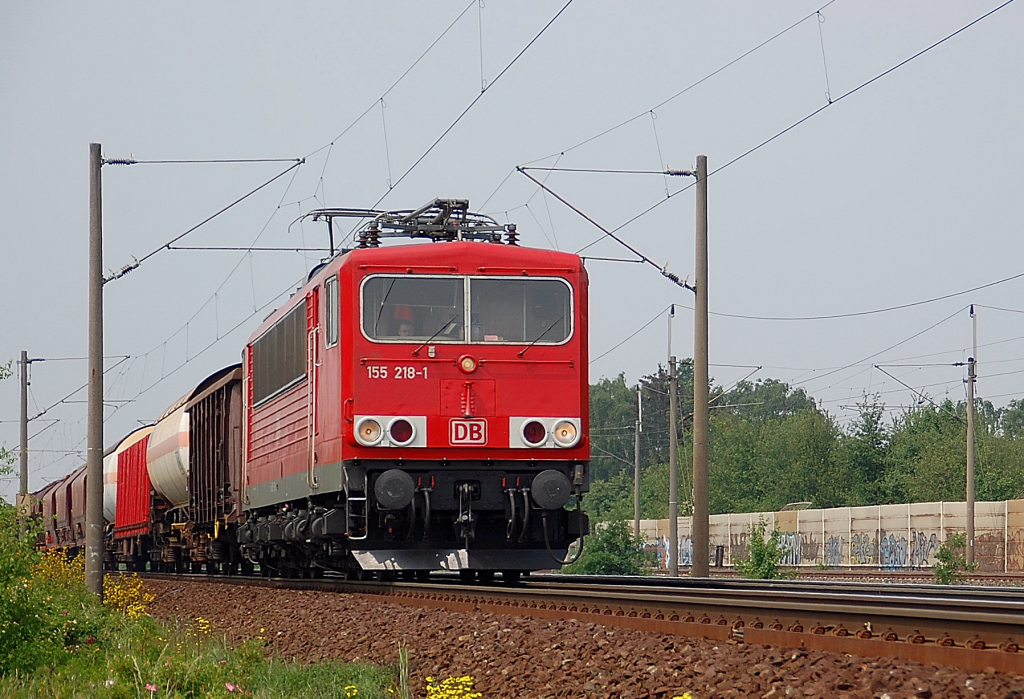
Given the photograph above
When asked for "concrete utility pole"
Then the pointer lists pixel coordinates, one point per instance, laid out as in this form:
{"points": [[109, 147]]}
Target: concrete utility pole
{"points": [[970, 460], [23, 485], [700, 530], [94, 463], [636, 462], [673, 459], [972, 375]]}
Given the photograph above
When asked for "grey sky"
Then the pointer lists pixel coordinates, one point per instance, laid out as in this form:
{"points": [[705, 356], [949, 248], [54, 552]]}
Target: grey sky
{"points": [[904, 191]]}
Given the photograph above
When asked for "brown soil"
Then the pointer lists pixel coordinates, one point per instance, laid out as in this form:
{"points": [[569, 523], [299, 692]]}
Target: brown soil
{"points": [[516, 657]]}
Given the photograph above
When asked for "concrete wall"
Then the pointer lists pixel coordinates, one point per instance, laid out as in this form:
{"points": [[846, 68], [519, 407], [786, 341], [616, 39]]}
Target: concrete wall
{"points": [[887, 537]]}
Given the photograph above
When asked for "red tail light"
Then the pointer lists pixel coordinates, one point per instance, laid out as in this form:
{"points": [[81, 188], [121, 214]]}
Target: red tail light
{"points": [[401, 431], [534, 433]]}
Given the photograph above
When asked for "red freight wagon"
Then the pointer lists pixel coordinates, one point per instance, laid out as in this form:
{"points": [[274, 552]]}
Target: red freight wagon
{"points": [[421, 406], [134, 500]]}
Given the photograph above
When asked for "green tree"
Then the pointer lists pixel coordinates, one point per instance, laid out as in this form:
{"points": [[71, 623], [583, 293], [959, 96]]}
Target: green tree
{"points": [[861, 454], [927, 458], [766, 399], [1011, 420], [612, 423], [612, 550], [612, 499], [765, 464], [655, 390]]}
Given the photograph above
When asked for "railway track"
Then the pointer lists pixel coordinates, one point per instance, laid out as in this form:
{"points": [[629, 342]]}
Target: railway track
{"points": [[972, 628]]}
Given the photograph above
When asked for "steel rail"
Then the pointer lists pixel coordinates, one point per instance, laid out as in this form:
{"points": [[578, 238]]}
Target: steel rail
{"points": [[970, 628]]}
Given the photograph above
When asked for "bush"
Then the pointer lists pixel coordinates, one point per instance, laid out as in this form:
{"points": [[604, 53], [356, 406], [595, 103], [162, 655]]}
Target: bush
{"points": [[612, 550], [31, 632], [763, 556], [951, 566]]}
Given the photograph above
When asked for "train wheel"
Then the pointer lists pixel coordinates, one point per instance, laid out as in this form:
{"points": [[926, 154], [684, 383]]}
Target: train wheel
{"points": [[422, 576], [467, 576], [510, 577], [486, 576]]}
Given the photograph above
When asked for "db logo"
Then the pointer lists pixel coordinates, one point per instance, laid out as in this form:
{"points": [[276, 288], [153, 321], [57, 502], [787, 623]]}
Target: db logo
{"points": [[468, 432]]}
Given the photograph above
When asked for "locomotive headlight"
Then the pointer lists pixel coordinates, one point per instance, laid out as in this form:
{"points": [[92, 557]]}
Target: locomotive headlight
{"points": [[534, 433], [467, 364], [566, 434], [401, 432], [368, 432]]}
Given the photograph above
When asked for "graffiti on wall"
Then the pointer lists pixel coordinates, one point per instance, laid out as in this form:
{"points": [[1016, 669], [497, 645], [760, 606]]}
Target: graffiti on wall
{"points": [[892, 551], [661, 549], [834, 551], [922, 547], [1015, 550], [790, 543], [862, 549], [896, 552]]}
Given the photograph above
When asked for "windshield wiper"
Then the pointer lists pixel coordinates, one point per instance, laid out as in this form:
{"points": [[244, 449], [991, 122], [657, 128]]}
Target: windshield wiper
{"points": [[546, 330], [376, 321], [440, 330]]}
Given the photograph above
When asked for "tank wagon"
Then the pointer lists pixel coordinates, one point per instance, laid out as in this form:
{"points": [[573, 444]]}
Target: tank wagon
{"points": [[413, 407]]}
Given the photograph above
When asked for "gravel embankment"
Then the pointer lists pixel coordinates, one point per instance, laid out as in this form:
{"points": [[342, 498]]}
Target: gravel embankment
{"points": [[513, 657]]}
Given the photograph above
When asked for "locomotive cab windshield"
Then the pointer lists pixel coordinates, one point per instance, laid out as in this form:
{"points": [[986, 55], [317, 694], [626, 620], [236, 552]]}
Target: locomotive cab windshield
{"points": [[495, 310]]}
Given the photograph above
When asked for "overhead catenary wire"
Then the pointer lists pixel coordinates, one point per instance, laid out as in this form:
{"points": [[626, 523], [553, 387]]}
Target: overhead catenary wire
{"points": [[198, 161], [66, 398], [890, 347], [632, 335], [641, 257], [806, 118], [242, 248], [920, 395], [473, 103], [395, 84], [185, 326], [166, 246], [689, 87]]}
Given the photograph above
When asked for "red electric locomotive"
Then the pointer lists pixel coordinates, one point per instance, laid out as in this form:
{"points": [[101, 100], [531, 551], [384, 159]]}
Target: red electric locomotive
{"points": [[420, 407], [412, 408]]}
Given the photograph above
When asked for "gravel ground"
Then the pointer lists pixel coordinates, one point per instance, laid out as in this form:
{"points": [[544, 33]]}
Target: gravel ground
{"points": [[514, 657]]}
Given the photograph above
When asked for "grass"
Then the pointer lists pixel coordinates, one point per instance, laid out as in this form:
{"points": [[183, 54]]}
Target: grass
{"points": [[142, 658], [57, 641]]}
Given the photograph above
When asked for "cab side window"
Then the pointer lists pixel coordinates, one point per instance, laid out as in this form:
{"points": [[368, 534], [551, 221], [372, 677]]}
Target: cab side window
{"points": [[331, 310]]}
